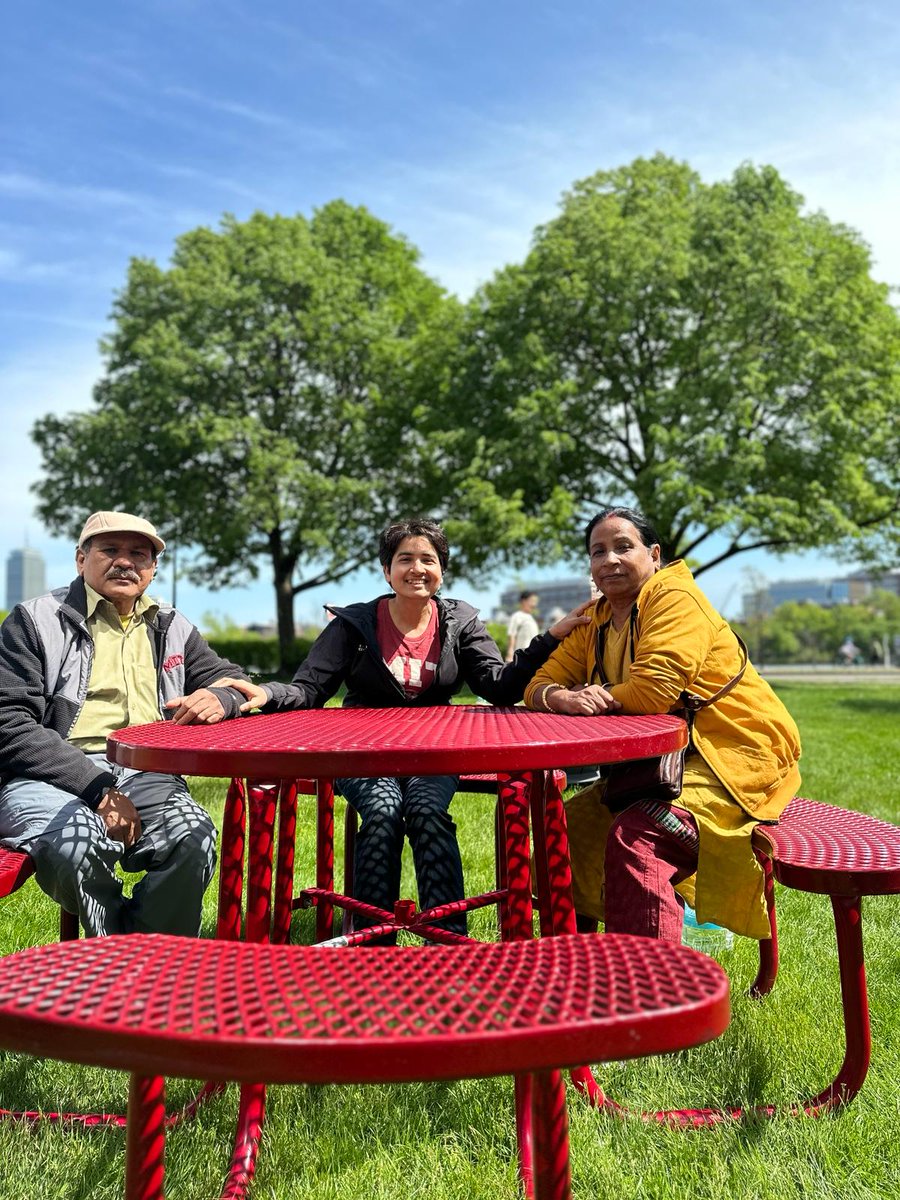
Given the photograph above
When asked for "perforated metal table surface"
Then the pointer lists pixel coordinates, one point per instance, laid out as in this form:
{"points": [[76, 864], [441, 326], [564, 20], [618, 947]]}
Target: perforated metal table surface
{"points": [[157, 1005], [445, 740]]}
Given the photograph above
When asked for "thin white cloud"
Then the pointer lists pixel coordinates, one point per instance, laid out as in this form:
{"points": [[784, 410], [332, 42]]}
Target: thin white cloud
{"points": [[371, 66], [288, 126], [210, 181], [231, 107], [45, 317], [15, 268], [33, 187]]}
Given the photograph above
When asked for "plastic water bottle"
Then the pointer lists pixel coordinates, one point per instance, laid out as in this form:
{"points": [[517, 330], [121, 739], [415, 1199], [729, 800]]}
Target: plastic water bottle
{"points": [[711, 939]]}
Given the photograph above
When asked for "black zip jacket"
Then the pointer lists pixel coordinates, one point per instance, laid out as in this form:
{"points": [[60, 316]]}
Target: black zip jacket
{"points": [[347, 651]]}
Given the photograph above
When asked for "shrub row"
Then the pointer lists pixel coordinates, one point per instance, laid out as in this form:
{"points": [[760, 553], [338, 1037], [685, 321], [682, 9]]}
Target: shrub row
{"points": [[258, 655]]}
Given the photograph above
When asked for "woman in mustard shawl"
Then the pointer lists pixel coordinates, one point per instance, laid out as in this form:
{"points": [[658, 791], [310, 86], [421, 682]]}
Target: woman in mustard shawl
{"points": [[654, 635]]}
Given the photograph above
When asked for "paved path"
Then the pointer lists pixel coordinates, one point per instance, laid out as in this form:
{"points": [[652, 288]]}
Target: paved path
{"points": [[826, 673]]}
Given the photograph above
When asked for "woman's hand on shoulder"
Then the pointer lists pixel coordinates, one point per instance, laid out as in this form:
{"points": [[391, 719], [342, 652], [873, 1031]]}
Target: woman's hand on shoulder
{"points": [[586, 700], [578, 616], [256, 695]]}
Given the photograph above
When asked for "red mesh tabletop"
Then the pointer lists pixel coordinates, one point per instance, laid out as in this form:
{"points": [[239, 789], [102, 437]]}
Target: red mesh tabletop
{"points": [[281, 1014], [832, 851], [377, 741]]}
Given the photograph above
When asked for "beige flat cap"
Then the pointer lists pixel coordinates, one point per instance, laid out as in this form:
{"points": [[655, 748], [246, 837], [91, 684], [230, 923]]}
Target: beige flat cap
{"points": [[120, 522]]}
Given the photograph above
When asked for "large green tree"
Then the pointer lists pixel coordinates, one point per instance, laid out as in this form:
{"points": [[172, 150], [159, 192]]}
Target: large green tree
{"points": [[710, 352], [261, 400]]}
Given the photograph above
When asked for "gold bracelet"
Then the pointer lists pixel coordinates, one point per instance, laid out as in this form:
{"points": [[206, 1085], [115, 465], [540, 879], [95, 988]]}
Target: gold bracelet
{"points": [[542, 699]]}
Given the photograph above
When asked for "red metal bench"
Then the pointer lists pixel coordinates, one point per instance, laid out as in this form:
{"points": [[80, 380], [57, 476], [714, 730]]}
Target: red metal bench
{"points": [[15, 870], [828, 851], [156, 1005], [844, 855]]}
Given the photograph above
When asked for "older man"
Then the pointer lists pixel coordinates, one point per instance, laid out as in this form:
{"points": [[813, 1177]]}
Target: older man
{"points": [[75, 665]]}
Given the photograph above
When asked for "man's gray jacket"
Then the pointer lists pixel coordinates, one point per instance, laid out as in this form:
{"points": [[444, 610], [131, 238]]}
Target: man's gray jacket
{"points": [[46, 654]]}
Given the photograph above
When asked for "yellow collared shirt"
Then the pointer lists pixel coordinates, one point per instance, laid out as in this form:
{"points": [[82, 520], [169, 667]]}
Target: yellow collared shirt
{"points": [[122, 688]]}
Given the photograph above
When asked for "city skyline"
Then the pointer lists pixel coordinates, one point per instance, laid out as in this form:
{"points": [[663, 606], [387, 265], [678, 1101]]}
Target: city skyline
{"points": [[26, 575]]}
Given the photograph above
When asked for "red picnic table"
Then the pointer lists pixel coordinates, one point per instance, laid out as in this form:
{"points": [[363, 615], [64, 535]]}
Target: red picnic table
{"points": [[271, 752]]}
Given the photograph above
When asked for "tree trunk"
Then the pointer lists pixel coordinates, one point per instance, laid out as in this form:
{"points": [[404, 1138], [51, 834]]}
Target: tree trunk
{"points": [[284, 607]]}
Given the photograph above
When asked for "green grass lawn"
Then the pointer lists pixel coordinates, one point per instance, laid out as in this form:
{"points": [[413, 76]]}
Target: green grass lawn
{"points": [[457, 1140]]}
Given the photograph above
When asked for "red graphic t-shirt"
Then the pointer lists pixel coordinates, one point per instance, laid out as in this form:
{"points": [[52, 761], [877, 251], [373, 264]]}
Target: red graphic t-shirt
{"points": [[411, 660]]}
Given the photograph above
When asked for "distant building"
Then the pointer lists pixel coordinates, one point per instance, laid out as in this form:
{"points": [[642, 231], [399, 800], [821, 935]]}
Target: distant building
{"points": [[863, 583], [827, 593], [556, 597], [26, 576]]}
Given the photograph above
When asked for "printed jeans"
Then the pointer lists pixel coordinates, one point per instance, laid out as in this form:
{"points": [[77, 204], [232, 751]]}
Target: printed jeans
{"points": [[417, 807], [75, 860]]}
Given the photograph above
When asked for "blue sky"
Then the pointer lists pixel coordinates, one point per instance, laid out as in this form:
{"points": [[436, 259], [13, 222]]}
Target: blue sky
{"points": [[459, 123]]}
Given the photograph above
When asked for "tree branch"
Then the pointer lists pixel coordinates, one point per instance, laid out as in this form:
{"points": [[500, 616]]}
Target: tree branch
{"points": [[328, 577], [733, 550]]}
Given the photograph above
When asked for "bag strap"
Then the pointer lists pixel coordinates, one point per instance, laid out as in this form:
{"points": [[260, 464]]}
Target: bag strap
{"points": [[694, 703], [689, 701]]}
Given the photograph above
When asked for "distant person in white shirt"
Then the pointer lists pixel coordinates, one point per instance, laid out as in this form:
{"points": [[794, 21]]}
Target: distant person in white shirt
{"points": [[522, 627]]}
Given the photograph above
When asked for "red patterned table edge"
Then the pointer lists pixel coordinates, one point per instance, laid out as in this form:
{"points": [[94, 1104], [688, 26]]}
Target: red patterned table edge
{"points": [[445, 740]]}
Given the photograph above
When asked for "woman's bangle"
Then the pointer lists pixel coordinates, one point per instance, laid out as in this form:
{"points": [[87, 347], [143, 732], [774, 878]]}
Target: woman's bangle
{"points": [[542, 695]]}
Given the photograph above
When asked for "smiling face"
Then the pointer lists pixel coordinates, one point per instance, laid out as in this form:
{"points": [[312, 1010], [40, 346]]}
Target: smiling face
{"points": [[620, 562], [119, 566], [415, 570]]}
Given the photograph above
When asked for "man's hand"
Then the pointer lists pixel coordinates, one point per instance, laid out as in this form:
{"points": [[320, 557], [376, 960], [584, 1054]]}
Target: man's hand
{"points": [[119, 816], [256, 695], [202, 707], [587, 700]]}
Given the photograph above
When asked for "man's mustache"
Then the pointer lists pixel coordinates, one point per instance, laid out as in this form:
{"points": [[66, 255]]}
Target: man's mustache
{"points": [[123, 573]]}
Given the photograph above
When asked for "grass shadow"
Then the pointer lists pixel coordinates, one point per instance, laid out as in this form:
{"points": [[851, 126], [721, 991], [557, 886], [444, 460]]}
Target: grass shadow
{"points": [[888, 706]]}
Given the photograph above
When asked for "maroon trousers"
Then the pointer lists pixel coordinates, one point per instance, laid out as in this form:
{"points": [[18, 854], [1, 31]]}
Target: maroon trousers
{"points": [[650, 848]]}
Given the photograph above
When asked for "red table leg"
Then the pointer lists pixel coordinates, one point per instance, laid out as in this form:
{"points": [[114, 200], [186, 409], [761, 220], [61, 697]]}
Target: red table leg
{"points": [[512, 834], [542, 1135], [524, 1086], [324, 856], [551, 854], [231, 867], [263, 797], [550, 1162], [247, 1138], [284, 870], [145, 1138]]}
